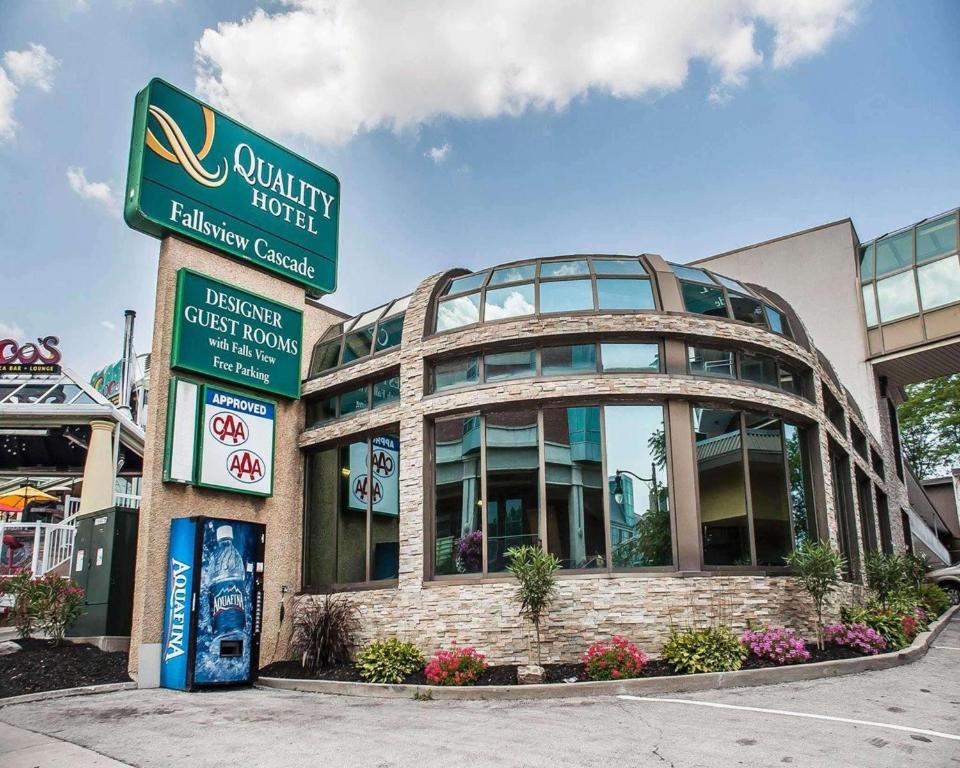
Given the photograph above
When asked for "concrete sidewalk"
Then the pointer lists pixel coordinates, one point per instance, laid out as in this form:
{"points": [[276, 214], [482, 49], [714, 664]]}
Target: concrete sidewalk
{"points": [[20, 748]]}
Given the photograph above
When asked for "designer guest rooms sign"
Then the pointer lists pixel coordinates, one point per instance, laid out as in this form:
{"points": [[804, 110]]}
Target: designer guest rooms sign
{"points": [[233, 335], [197, 173]]}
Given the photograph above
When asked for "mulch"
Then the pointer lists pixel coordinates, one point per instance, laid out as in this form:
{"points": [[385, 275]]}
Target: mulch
{"points": [[506, 674], [41, 667]]}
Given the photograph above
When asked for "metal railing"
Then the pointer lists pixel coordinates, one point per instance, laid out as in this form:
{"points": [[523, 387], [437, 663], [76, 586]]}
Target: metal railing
{"points": [[41, 548]]}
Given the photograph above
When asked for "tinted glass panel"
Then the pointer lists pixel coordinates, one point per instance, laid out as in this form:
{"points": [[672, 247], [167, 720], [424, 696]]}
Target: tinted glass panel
{"points": [[563, 268], [578, 358], [326, 356], [747, 310], [459, 540], [358, 344], [936, 238], [383, 485], [510, 365], [351, 531], [772, 526], [386, 391], [640, 532], [389, 333], [869, 305], [454, 313], [897, 297], [466, 283], [320, 518], [776, 320], [566, 296], [515, 301], [939, 282], [574, 478], [703, 300], [692, 273], [712, 362], [513, 472], [513, 274], [791, 380], [630, 357], [624, 294], [721, 480], [354, 400], [618, 267], [730, 283], [866, 262], [319, 411], [455, 373], [801, 493], [895, 252], [760, 369]]}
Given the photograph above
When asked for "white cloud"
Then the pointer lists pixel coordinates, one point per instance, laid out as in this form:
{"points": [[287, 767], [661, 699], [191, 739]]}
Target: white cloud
{"points": [[8, 97], [33, 67], [98, 191], [328, 70], [108, 325], [438, 154], [10, 331]]}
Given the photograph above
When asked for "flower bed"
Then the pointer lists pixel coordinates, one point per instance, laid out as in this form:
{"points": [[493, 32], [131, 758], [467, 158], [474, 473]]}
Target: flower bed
{"points": [[39, 666]]}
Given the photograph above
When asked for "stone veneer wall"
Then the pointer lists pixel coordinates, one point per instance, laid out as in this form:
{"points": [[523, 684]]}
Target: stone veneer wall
{"points": [[589, 607]]}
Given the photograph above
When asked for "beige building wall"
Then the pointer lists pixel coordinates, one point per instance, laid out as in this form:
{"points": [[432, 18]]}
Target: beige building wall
{"points": [[161, 502], [816, 272]]}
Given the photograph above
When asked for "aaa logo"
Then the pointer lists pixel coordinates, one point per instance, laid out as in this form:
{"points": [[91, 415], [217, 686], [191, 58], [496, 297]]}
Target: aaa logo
{"points": [[245, 466], [180, 151]]}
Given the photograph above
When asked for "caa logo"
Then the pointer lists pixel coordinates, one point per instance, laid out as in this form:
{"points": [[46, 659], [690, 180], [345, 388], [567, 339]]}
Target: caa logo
{"points": [[229, 429], [245, 466], [384, 463]]}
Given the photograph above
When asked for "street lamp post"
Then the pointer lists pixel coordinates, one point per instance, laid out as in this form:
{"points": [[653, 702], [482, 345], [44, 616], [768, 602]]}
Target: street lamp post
{"points": [[618, 483]]}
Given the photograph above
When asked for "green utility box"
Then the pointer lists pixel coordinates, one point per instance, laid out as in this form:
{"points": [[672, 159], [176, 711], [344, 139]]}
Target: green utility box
{"points": [[104, 559]]}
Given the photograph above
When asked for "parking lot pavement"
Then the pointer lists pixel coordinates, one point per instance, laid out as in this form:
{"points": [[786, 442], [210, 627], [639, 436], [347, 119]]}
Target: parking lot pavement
{"points": [[909, 715]]}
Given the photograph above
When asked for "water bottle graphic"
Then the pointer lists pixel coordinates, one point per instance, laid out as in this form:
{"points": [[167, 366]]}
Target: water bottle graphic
{"points": [[228, 614]]}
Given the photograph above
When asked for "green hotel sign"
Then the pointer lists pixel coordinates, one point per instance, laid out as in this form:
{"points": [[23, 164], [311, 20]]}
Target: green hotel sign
{"points": [[236, 336], [195, 172]]}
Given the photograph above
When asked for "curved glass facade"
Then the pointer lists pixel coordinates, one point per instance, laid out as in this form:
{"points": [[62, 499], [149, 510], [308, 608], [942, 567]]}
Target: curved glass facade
{"points": [[359, 337]]}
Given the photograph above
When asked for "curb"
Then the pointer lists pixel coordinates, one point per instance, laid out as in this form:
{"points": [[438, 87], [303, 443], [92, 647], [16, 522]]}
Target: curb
{"points": [[63, 693], [648, 685]]}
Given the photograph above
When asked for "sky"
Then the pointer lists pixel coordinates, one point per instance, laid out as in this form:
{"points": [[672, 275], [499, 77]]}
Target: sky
{"points": [[469, 134]]}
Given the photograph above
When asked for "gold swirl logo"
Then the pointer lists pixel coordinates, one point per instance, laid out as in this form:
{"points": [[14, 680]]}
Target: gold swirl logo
{"points": [[180, 151]]}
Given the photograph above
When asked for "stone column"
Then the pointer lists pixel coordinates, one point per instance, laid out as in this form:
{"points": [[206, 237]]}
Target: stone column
{"points": [[98, 469]]}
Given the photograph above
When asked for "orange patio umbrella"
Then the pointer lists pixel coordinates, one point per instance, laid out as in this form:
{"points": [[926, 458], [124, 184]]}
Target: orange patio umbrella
{"points": [[15, 501]]}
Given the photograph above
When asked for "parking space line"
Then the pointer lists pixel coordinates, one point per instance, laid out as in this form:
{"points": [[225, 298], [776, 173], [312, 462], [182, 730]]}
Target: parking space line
{"points": [[787, 713], [945, 647]]}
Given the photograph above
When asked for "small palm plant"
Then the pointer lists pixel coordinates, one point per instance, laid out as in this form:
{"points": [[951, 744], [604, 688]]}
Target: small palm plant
{"points": [[818, 567], [536, 572]]}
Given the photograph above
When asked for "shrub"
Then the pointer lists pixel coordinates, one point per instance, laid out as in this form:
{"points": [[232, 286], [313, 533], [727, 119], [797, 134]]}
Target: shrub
{"points": [[536, 572], [23, 589], [818, 567], [715, 649], [888, 623], [779, 645], [915, 571], [860, 637], [324, 633], [618, 661], [59, 602], [886, 574], [934, 599], [458, 666], [389, 661]]}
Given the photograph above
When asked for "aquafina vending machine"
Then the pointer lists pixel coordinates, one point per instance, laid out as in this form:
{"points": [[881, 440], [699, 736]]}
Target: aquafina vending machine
{"points": [[214, 603]]}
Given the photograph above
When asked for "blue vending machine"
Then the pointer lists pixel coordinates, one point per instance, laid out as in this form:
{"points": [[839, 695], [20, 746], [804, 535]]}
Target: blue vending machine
{"points": [[214, 603]]}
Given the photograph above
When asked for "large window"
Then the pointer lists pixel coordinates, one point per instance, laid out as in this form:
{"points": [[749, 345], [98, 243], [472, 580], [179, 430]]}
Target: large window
{"points": [[559, 478], [587, 284], [511, 504], [358, 397], [613, 357], [636, 445], [868, 519], [843, 505], [760, 369], [373, 331], [352, 514], [754, 487]]}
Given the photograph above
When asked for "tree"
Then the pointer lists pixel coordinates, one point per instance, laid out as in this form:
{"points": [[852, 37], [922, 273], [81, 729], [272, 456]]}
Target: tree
{"points": [[930, 424], [536, 572], [818, 567]]}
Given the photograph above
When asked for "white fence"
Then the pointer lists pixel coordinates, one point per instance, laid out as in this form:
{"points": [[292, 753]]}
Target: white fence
{"points": [[39, 547]]}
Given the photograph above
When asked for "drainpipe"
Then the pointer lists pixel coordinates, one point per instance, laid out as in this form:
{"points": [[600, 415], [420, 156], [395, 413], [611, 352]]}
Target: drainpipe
{"points": [[128, 363]]}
